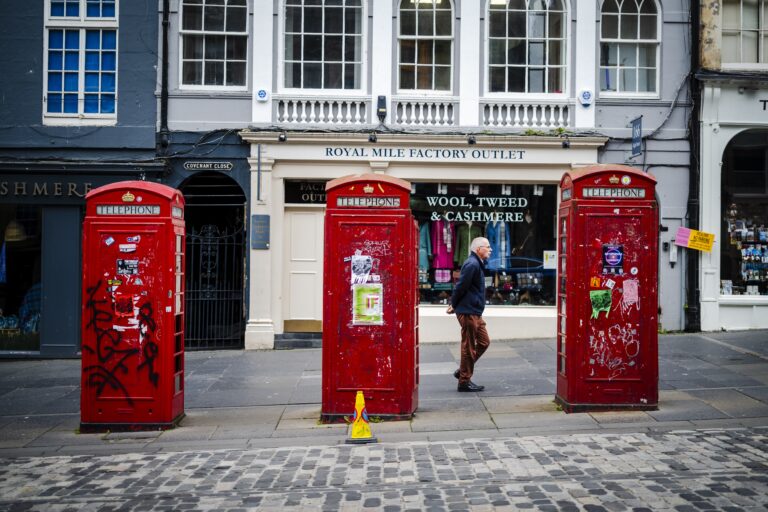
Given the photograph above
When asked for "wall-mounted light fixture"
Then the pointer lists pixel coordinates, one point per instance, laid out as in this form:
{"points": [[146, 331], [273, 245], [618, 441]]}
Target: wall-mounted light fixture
{"points": [[471, 140], [282, 137], [381, 108]]}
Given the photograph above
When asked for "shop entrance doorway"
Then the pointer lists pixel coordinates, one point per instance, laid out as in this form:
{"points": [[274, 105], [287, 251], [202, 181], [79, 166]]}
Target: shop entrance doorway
{"points": [[215, 271]]}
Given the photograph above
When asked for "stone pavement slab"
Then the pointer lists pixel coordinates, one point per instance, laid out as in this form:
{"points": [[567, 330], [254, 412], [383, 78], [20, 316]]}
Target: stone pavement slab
{"points": [[273, 397]]}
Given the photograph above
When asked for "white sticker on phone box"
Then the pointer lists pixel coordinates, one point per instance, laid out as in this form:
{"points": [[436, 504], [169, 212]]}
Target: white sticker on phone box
{"points": [[633, 271], [127, 247], [109, 241]]}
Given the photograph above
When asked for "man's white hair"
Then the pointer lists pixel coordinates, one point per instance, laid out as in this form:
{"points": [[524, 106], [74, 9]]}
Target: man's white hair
{"points": [[477, 242]]}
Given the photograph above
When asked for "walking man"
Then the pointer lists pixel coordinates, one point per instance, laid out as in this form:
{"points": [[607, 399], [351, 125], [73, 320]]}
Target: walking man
{"points": [[468, 302]]}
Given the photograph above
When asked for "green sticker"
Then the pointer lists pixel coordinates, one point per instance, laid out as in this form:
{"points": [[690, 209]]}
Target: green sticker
{"points": [[601, 301], [367, 304]]}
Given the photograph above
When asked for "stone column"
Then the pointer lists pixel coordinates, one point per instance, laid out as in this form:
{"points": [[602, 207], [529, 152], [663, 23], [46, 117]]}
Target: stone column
{"points": [[260, 328]]}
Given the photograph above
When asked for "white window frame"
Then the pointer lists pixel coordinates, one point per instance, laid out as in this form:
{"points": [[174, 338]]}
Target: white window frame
{"points": [[218, 88], [636, 43], [762, 33], [324, 92], [80, 23], [529, 96], [416, 37]]}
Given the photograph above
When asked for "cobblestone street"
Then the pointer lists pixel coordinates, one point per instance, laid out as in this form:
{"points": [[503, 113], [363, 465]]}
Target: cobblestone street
{"points": [[724, 469]]}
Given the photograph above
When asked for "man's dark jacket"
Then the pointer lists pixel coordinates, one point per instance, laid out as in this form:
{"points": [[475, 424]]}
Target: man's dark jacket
{"points": [[469, 294]]}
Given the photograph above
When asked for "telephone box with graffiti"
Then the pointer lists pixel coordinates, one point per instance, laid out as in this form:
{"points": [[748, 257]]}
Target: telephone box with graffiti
{"points": [[370, 310], [607, 301], [133, 308]]}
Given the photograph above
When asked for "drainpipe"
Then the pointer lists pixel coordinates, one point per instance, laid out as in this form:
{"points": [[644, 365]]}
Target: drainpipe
{"points": [[693, 295], [163, 138]]}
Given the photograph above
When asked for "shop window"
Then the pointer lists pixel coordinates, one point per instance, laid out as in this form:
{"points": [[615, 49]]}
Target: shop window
{"points": [[526, 46], [745, 33], [425, 45], [744, 255], [629, 46], [519, 222], [20, 286], [323, 44], [80, 62], [214, 43]]}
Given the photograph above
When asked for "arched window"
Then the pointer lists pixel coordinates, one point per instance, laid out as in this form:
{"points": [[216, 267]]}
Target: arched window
{"points": [[629, 46], [425, 45], [526, 46], [744, 208], [323, 44]]}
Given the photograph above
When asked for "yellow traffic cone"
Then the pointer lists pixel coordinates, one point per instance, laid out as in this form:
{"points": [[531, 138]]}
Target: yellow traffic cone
{"points": [[360, 432]]}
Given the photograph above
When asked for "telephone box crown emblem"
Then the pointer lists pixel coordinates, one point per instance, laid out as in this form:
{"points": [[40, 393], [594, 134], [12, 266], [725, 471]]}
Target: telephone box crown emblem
{"points": [[368, 189], [614, 180], [128, 197]]}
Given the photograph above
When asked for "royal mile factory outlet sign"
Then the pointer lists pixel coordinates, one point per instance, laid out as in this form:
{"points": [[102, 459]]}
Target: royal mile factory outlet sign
{"points": [[442, 154]]}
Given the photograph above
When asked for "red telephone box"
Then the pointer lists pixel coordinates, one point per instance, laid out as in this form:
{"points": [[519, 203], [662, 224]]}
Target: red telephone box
{"points": [[370, 311], [133, 308], [607, 301]]}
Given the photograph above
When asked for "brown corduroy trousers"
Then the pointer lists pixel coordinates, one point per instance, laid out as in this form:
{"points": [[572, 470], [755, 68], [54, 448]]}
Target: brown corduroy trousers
{"points": [[474, 342]]}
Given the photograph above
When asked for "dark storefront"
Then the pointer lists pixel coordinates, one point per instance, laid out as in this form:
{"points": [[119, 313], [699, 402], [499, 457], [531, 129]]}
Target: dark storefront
{"points": [[41, 216]]}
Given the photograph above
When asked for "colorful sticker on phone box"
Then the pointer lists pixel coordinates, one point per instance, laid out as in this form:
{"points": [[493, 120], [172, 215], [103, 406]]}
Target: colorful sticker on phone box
{"points": [[127, 267], [594, 282], [134, 239], [109, 241], [613, 259], [601, 301]]}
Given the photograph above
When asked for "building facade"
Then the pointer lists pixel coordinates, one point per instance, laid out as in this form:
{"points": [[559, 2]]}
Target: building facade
{"points": [[733, 133], [78, 111], [250, 106], [482, 106]]}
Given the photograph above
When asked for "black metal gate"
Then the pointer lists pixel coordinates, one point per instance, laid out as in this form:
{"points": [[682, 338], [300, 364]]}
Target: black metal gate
{"points": [[215, 273], [215, 294]]}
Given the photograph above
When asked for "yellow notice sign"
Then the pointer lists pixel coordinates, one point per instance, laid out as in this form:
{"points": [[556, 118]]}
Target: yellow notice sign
{"points": [[693, 239]]}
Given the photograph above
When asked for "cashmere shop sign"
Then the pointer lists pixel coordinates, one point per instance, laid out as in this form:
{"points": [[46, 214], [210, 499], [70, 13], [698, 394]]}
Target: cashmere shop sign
{"points": [[434, 154], [477, 209]]}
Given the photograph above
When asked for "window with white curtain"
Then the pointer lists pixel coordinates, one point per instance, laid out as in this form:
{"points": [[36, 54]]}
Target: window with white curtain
{"points": [[425, 45], [629, 46], [745, 27], [526, 46]]}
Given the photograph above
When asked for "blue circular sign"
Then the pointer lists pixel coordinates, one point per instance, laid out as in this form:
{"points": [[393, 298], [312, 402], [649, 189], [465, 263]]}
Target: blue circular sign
{"points": [[613, 257]]}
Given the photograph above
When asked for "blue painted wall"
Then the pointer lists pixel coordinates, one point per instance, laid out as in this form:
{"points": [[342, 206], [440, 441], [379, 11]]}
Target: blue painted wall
{"points": [[21, 85]]}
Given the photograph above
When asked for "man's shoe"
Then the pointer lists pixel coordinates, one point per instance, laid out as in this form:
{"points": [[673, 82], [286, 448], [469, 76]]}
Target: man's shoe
{"points": [[456, 374], [470, 387]]}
